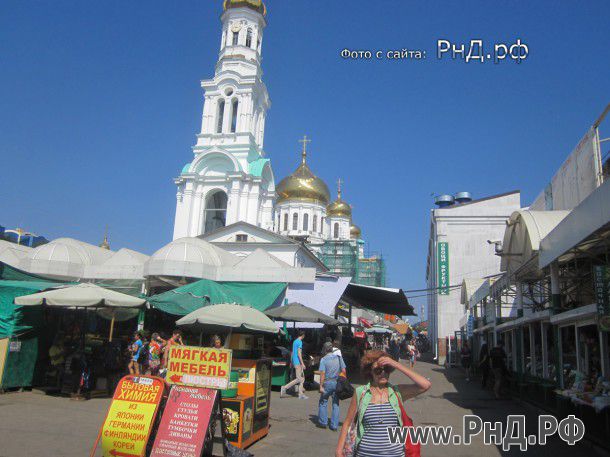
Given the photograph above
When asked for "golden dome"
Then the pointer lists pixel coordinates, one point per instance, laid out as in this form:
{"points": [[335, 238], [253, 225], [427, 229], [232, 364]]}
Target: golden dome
{"points": [[257, 5], [303, 185], [339, 208], [355, 232]]}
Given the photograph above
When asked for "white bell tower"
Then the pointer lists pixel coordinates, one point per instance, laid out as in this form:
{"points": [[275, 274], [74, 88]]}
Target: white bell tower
{"points": [[230, 179]]}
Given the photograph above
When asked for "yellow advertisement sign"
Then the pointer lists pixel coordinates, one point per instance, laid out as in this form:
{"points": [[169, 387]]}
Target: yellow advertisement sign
{"points": [[199, 366], [129, 420]]}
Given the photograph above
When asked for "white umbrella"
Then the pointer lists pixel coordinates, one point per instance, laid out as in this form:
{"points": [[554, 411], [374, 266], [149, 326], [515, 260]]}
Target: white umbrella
{"points": [[81, 296], [376, 329], [231, 317]]}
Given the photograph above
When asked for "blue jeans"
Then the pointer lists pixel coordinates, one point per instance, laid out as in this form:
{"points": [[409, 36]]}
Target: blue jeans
{"points": [[330, 390]]}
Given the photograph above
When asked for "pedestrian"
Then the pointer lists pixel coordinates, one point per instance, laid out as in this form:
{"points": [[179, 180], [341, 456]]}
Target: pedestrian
{"points": [[484, 364], [176, 339], [135, 350], [412, 349], [216, 342], [497, 357], [465, 357], [299, 367], [378, 405], [331, 367], [155, 350]]}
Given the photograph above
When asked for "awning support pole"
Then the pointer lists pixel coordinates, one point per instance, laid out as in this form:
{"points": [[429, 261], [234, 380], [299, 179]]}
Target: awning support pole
{"points": [[111, 327]]}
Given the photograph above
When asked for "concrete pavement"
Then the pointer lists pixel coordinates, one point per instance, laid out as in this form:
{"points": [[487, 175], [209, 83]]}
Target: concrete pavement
{"points": [[34, 425]]}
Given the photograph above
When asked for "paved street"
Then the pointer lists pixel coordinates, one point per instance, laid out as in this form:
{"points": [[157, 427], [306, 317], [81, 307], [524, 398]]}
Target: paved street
{"points": [[34, 425]]}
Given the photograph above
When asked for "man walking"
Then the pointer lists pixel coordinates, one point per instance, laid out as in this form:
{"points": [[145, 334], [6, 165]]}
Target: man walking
{"points": [[498, 357], [299, 367], [331, 367]]}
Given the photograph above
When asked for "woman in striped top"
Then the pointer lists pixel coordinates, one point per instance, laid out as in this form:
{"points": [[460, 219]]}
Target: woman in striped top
{"points": [[378, 405]]}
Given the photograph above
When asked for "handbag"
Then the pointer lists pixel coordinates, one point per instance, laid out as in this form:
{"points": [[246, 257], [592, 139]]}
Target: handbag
{"points": [[411, 449], [349, 446], [344, 389]]}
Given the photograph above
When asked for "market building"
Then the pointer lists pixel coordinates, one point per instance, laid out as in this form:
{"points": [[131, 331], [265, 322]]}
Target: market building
{"points": [[550, 307], [462, 242]]}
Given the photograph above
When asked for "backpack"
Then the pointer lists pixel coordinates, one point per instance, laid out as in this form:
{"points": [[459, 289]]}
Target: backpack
{"points": [[144, 354], [344, 389]]}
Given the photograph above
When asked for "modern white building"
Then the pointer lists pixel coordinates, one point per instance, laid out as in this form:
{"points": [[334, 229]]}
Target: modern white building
{"points": [[462, 242]]}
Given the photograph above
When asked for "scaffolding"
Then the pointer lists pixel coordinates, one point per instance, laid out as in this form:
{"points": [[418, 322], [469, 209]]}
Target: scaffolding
{"points": [[343, 259]]}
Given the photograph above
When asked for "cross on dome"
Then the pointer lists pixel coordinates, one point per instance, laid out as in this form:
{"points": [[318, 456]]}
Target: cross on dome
{"points": [[339, 182], [305, 140]]}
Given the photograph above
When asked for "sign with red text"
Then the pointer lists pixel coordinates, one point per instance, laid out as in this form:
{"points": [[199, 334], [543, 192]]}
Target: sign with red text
{"points": [[130, 417], [185, 422], [199, 366]]}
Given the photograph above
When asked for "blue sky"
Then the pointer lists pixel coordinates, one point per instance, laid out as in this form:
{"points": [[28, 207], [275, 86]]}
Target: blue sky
{"points": [[100, 104]]}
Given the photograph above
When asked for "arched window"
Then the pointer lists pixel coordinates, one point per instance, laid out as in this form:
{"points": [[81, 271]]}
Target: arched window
{"points": [[322, 224], [305, 222], [234, 105], [235, 38], [336, 230], [249, 38], [286, 222], [221, 115], [314, 227], [215, 212], [295, 221]]}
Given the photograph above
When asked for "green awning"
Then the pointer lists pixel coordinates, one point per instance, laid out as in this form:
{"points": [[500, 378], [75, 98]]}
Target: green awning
{"points": [[13, 318], [186, 299]]}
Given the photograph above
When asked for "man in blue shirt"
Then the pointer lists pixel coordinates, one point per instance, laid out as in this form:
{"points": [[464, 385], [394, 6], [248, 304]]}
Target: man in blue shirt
{"points": [[299, 367], [331, 367]]}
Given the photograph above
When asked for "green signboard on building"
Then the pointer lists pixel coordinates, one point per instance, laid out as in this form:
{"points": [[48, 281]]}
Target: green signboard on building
{"points": [[443, 268], [602, 293]]}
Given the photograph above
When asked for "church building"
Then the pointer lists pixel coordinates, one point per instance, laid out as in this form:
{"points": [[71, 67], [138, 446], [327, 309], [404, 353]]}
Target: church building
{"points": [[231, 180]]}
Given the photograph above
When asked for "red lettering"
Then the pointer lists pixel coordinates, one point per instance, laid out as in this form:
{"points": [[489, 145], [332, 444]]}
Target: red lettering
{"points": [[212, 370], [192, 368], [221, 373], [174, 366], [186, 354], [213, 357], [176, 353], [224, 357]]}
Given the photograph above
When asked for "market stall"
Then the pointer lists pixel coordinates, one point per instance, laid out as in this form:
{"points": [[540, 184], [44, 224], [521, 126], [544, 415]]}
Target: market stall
{"points": [[246, 411], [81, 320], [293, 312]]}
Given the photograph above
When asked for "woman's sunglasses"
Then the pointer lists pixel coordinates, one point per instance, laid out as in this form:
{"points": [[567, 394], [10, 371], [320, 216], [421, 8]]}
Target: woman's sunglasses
{"points": [[380, 370]]}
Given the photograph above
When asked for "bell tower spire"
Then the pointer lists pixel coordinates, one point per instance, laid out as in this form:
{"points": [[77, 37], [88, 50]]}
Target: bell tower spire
{"points": [[229, 179]]}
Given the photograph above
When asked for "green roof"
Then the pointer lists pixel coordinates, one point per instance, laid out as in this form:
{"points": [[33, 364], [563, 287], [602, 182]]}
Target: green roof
{"points": [[185, 168], [255, 167]]}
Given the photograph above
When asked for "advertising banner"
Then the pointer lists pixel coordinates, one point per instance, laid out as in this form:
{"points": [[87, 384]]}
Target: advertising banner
{"points": [[131, 416], [443, 268], [199, 366], [185, 422], [602, 293]]}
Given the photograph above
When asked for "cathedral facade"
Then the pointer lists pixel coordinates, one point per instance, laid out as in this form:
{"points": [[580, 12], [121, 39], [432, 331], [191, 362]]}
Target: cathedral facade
{"points": [[230, 179]]}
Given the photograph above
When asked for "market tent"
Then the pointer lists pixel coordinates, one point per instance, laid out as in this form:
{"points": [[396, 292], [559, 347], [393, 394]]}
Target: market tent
{"points": [[296, 312], [380, 299], [81, 296], [188, 298], [19, 324], [14, 319], [229, 317]]}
